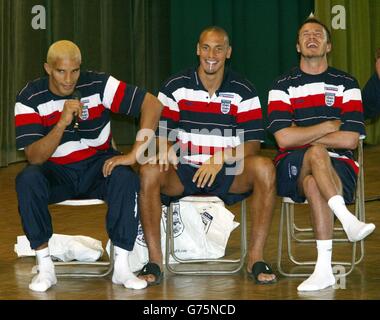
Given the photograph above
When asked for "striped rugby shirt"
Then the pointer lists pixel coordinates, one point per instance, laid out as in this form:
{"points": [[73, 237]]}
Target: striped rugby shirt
{"points": [[202, 125], [308, 99], [37, 110]]}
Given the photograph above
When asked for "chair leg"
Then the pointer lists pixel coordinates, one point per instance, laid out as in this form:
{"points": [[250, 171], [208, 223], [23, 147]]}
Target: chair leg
{"points": [[88, 274], [287, 210]]}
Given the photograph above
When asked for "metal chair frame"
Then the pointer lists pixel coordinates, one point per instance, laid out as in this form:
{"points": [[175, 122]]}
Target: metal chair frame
{"points": [[293, 231], [107, 265], [215, 263]]}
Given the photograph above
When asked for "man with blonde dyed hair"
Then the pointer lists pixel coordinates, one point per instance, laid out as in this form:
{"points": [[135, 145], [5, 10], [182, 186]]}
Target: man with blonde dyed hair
{"points": [[62, 49], [63, 125]]}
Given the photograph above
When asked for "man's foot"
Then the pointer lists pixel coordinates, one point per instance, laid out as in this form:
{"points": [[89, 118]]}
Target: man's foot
{"points": [[262, 273], [358, 230], [317, 281], [129, 281], [43, 280], [151, 273], [122, 274]]}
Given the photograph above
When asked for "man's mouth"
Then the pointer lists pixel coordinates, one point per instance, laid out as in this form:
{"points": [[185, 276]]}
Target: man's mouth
{"points": [[211, 64], [311, 45]]}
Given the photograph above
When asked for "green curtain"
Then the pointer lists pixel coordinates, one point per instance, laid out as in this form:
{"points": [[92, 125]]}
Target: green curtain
{"points": [[354, 47], [262, 32], [126, 38]]}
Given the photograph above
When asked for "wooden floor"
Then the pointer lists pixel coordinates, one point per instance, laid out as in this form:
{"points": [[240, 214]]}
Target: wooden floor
{"points": [[363, 283]]}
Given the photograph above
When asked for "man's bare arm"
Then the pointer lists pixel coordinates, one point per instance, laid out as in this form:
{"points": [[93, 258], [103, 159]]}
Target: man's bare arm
{"points": [[339, 140], [298, 136], [40, 151]]}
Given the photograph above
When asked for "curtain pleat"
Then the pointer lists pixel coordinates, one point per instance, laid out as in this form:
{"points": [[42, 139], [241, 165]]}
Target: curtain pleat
{"points": [[354, 47]]}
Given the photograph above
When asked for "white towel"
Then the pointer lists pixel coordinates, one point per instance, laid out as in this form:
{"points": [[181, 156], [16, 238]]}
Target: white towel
{"points": [[65, 248]]}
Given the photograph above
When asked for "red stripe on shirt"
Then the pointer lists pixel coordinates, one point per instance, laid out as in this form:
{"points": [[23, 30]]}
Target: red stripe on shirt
{"points": [[312, 101], [95, 112], [279, 106], [351, 106], [255, 114], [204, 107], [25, 119], [170, 114], [51, 119], [119, 95]]}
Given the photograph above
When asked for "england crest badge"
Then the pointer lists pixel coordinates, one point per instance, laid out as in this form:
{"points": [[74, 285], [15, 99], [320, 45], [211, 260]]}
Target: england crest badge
{"points": [[225, 106], [85, 113], [330, 94]]}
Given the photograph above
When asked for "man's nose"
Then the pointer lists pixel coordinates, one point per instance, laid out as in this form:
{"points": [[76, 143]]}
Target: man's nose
{"points": [[68, 78], [211, 53]]}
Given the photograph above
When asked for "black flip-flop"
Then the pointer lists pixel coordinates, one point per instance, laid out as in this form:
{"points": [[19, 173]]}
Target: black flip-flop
{"points": [[153, 269], [261, 267]]}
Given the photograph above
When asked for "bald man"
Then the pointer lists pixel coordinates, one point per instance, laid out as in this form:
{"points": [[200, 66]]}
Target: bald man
{"points": [[212, 116], [63, 126]]}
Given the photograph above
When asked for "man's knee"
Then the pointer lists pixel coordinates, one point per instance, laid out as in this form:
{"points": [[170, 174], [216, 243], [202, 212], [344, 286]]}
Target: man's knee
{"points": [[29, 176], [149, 175], [317, 154], [264, 170], [124, 175]]}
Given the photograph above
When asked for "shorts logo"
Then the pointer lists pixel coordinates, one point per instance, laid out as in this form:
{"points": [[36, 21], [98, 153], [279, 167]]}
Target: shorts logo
{"points": [[293, 170], [140, 236], [330, 93], [225, 106]]}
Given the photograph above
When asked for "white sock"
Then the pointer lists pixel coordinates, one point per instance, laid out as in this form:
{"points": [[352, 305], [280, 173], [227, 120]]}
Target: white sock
{"points": [[323, 276], [122, 273], [356, 230], [46, 273]]}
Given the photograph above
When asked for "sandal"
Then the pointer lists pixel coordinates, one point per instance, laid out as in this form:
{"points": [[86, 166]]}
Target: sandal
{"points": [[153, 269], [261, 267]]}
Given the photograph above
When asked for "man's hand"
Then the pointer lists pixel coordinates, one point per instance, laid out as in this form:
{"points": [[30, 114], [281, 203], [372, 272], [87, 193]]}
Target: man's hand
{"points": [[333, 125], [126, 160], [71, 109], [207, 173], [167, 157]]}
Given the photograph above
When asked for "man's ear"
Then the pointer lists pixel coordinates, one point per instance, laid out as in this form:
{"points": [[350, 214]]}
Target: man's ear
{"points": [[47, 68], [198, 50], [298, 48], [328, 48], [229, 52]]}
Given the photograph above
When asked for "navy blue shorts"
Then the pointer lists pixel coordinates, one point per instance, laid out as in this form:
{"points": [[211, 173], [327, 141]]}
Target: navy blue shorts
{"points": [[219, 188], [289, 168]]}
